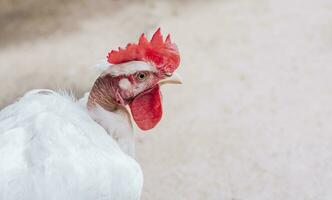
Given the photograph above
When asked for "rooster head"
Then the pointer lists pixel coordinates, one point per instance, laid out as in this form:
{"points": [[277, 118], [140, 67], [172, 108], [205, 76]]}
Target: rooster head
{"points": [[136, 74]]}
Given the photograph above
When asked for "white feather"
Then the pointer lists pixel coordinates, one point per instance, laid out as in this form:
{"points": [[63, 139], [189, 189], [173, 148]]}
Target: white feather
{"points": [[50, 148], [126, 68]]}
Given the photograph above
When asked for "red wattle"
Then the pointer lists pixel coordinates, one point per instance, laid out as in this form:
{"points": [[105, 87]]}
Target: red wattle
{"points": [[146, 108]]}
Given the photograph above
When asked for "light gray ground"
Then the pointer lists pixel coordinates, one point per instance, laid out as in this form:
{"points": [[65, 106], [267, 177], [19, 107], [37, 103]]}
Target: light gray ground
{"points": [[253, 120]]}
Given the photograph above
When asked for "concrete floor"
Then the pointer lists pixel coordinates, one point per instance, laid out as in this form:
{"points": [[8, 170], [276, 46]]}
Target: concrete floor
{"points": [[254, 118]]}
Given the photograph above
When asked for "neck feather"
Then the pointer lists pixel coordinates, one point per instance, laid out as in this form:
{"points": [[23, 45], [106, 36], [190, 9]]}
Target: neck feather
{"points": [[113, 117]]}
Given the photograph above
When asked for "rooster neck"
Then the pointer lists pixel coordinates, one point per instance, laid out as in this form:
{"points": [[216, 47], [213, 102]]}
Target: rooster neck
{"points": [[102, 94], [114, 118]]}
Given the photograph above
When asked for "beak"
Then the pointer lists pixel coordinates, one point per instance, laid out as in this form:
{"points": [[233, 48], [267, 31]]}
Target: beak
{"points": [[174, 78]]}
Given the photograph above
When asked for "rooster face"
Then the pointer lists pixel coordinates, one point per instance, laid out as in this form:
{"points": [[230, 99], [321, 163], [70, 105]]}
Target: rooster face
{"points": [[137, 84], [131, 79]]}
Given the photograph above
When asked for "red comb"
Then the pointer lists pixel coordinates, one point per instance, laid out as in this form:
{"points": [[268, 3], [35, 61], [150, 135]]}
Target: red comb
{"points": [[164, 55]]}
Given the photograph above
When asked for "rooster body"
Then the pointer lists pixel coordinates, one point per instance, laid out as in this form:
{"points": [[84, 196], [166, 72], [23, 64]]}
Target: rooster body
{"points": [[50, 148]]}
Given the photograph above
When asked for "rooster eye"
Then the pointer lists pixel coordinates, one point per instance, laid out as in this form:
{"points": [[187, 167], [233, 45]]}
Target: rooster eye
{"points": [[141, 76]]}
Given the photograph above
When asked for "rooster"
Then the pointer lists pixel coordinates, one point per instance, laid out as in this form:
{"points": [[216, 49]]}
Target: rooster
{"points": [[54, 147]]}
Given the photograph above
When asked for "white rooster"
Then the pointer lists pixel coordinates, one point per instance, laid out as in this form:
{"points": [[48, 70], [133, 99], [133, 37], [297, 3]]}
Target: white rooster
{"points": [[53, 147]]}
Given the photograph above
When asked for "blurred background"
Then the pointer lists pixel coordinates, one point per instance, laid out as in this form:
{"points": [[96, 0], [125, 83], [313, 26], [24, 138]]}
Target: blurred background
{"points": [[254, 117]]}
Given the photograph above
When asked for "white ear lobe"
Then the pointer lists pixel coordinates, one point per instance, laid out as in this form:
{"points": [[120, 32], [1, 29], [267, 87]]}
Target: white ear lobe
{"points": [[125, 84]]}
